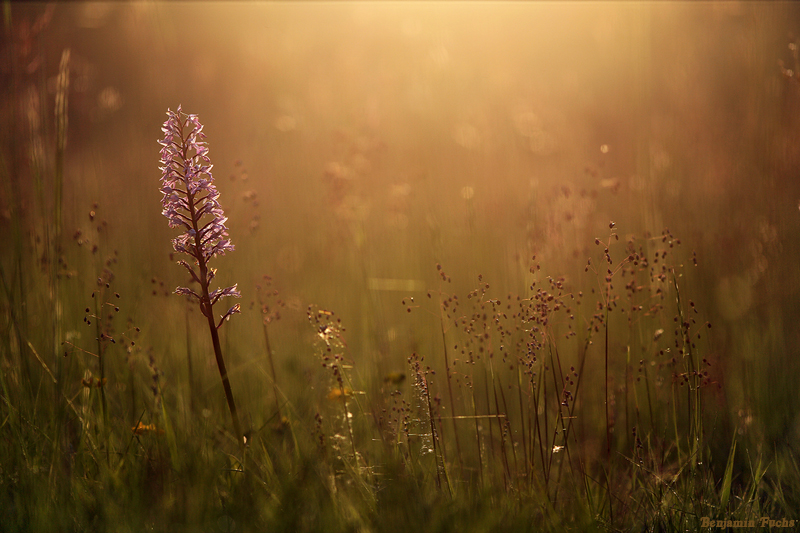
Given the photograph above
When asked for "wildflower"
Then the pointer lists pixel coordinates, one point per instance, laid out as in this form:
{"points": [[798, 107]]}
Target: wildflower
{"points": [[340, 394], [191, 202], [144, 429]]}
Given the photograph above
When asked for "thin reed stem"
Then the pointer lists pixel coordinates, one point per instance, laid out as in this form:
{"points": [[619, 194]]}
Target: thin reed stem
{"points": [[477, 427], [535, 394], [525, 459], [608, 424], [189, 369], [500, 418], [450, 389], [98, 324], [347, 422], [272, 371], [437, 450]]}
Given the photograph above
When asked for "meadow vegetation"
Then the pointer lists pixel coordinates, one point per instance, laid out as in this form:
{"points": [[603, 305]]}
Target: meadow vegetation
{"points": [[423, 353]]}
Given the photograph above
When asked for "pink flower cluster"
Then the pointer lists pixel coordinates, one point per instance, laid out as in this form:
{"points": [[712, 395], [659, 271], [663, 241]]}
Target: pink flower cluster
{"points": [[191, 202]]}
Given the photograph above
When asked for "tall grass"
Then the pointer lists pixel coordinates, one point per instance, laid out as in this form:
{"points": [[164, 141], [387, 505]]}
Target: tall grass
{"points": [[555, 407]]}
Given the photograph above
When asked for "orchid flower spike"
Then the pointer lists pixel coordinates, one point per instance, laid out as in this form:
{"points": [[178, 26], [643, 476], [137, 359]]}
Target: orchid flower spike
{"points": [[191, 201]]}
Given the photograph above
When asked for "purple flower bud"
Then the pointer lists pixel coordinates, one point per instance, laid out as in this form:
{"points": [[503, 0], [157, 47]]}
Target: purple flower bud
{"points": [[227, 316], [221, 293], [187, 292]]}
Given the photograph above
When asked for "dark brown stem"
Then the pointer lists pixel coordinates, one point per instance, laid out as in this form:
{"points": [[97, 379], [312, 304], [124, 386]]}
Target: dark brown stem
{"points": [[207, 308], [223, 373]]}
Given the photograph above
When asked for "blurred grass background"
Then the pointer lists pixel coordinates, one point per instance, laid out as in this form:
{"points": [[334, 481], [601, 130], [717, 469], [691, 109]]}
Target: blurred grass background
{"points": [[356, 145]]}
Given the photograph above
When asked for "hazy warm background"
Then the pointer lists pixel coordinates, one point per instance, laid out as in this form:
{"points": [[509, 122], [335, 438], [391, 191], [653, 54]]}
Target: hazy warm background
{"points": [[358, 144]]}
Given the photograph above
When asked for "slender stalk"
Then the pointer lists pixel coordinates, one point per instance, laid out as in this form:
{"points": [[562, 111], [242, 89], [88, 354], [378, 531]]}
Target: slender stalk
{"points": [[564, 428], [525, 458], [272, 370], [503, 453], [477, 427], [61, 116], [537, 423], [508, 428], [437, 451], [628, 380], [692, 380], [347, 422], [543, 443], [488, 411], [608, 426], [608, 418], [653, 424], [98, 324], [223, 373], [450, 389], [575, 393], [190, 370]]}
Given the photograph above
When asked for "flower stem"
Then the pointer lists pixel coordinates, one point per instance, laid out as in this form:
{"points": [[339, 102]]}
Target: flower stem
{"points": [[190, 198], [223, 373]]}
